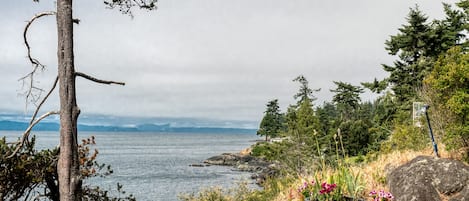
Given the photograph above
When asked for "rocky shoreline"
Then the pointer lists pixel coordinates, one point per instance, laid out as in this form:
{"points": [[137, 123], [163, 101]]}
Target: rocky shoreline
{"points": [[260, 168]]}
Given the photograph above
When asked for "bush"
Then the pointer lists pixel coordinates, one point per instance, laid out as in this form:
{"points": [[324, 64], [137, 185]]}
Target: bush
{"points": [[31, 173], [406, 137], [269, 151], [447, 90], [240, 192]]}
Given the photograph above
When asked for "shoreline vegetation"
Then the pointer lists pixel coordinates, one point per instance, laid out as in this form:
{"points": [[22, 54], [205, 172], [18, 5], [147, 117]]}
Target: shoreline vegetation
{"points": [[349, 149], [373, 170]]}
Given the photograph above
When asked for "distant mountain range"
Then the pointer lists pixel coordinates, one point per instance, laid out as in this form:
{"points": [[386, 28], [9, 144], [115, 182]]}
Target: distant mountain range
{"points": [[14, 122]]}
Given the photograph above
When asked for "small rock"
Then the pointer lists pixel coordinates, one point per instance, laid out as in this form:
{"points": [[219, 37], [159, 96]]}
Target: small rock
{"points": [[197, 165]]}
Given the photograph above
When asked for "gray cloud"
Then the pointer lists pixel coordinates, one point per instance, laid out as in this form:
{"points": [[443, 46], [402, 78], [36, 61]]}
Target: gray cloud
{"points": [[207, 58]]}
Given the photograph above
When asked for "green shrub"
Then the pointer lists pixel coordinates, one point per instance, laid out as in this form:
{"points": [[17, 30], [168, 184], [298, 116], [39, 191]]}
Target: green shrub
{"points": [[406, 137], [211, 194], [238, 193], [269, 151]]}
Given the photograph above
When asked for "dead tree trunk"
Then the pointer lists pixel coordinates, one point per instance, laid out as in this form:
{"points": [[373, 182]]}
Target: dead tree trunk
{"points": [[68, 164]]}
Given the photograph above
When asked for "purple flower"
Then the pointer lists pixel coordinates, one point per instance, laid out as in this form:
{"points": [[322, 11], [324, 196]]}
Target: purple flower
{"points": [[381, 195], [390, 196]]}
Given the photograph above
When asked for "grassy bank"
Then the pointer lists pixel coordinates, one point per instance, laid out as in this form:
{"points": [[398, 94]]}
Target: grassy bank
{"points": [[354, 180]]}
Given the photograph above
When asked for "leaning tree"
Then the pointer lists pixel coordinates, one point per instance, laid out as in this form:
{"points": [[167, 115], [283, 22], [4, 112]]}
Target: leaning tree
{"points": [[69, 178]]}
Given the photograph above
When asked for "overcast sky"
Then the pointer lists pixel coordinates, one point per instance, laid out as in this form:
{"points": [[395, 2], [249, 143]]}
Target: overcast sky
{"points": [[215, 59]]}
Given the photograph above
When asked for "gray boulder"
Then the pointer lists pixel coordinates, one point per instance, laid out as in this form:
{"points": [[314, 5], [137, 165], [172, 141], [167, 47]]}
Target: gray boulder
{"points": [[260, 168], [227, 159], [426, 178]]}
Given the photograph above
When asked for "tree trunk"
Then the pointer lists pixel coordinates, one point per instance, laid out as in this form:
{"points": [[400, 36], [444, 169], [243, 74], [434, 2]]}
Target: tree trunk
{"points": [[68, 164]]}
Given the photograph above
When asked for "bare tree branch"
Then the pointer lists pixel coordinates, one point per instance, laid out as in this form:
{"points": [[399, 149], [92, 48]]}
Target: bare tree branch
{"points": [[88, 77], [125, 6], [28, 131], [36, 64], [37, 16], [44, 100], [29, 192], [38, 107], [38, 197]]}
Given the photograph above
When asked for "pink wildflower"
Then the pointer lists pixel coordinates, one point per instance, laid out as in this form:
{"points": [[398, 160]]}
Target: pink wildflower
{"points": [[327, 188]]}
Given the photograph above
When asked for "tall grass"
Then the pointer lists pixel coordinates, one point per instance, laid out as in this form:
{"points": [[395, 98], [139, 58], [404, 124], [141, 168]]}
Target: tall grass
{"points": [[353, 179]]}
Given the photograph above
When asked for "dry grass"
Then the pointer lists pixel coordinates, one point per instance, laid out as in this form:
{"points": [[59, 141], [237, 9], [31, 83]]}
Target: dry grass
{"points": [[246, 151], [291, 193], [373, 173]]}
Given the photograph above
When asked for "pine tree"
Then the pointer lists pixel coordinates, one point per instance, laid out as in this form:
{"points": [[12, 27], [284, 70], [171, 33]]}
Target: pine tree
{"points": [[418, 45], [347, 98], [411, 45], [303, 127], [272, 122], [304, 93]]}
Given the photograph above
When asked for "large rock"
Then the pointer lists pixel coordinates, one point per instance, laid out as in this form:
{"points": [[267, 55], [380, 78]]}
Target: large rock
{"points": [[236, 160], [224, 159], [426, 178], [260, 168]]}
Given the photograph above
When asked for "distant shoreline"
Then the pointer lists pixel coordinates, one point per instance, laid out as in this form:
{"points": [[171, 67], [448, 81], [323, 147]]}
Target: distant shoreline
{"points": [[7, 125]]}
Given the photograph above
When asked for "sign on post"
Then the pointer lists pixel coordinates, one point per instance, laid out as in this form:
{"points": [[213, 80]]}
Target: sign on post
{"points": [[418, 110]]}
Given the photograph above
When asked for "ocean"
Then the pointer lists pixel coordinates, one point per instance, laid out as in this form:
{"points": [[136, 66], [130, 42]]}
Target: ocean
{"points": [[155, 166]]}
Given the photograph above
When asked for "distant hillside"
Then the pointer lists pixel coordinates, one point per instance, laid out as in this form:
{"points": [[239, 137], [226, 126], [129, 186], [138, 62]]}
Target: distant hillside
{"points": [[52, 126]]}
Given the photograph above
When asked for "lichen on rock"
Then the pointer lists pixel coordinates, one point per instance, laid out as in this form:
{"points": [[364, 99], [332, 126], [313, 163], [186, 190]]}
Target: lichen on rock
{"points": [[430, 179]]}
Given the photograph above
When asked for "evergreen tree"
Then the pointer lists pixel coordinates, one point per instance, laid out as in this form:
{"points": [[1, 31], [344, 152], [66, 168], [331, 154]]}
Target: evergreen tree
{"points": [[450, 31], [307, 122], [305, 119], [418, 45], [347, 98], [328, 118], [411, 44], [354, 120], [303, 127], [305, 93], [272, 122], [376, 86]]}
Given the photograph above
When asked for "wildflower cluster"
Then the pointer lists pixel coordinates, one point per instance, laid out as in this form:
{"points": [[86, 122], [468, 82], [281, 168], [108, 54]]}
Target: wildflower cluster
{"points": [[314, 191], [327, 188], [307, 189], [381, 195]]}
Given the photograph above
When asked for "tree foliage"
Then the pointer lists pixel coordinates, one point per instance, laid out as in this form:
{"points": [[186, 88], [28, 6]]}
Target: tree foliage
{"points": [[305, 93], [418, 44], [272, 122], [32, 175], [26, 171], [346, 97], [449, 81], [125, 6], [302, 128], [412, 46]]}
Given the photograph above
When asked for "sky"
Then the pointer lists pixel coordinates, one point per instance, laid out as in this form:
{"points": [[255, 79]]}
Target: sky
{"points": [[204, 59]]}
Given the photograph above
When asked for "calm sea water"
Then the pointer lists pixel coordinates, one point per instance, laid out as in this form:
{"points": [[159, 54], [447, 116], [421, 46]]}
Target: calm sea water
{"points": [[155, 166]]}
